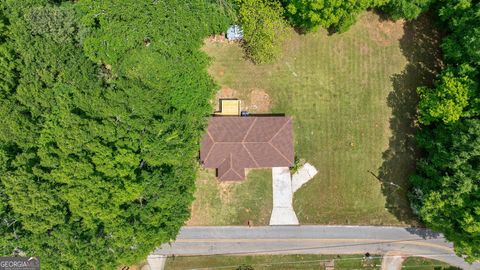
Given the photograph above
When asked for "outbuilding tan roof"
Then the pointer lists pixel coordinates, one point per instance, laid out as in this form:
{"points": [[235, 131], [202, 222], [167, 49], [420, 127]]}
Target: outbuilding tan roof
{"points": [[232, 144]]}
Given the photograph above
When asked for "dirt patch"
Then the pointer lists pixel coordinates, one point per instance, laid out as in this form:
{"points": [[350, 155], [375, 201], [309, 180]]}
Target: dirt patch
{"points": [[221, 38], [227, 92], [197, 214], [259, 102], [133, 267], [225, 191], [383, 32], [193, 220], [217, 38]]}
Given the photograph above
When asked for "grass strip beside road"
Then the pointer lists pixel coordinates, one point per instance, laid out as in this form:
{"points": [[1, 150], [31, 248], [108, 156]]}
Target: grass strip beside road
{"points": [[281, 262]]}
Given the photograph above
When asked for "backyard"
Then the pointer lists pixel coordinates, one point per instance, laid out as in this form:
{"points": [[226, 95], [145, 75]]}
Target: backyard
{"points": [[352, 98]]}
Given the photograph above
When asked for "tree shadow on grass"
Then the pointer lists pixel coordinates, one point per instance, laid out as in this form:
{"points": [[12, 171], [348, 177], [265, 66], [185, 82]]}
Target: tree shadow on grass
{"points": [[420, 45]]}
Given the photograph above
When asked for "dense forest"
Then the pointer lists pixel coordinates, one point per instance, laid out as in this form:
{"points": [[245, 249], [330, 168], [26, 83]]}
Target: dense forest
{"points": [[446, 187], [103, 103]]}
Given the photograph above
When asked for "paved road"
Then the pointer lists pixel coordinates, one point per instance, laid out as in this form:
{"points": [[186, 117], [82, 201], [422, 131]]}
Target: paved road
{"points": [[313, 240]]}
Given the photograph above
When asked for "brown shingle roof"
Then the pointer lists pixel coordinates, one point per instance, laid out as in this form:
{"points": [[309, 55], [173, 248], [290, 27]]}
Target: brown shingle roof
{"points": [[232, 144]]}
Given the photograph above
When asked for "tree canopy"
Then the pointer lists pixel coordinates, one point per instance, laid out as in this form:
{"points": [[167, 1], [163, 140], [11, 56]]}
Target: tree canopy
{"points": [[454, 96], [338, 14], [457, 91], [446, 186], [102, 105], [263, 27], [407, 9]]}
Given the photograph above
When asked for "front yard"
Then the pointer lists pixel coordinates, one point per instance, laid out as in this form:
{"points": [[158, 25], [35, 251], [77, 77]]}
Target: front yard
{"points": [[232, 203], [352, 97], [280, 262], [305, 261]]}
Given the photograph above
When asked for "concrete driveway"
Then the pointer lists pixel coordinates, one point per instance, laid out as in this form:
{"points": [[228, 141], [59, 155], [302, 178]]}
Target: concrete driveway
{"points": [[282, 212]]}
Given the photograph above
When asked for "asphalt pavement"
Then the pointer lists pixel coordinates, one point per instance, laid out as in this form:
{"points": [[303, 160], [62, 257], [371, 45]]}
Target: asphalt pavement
{"points": [[315, 239]]}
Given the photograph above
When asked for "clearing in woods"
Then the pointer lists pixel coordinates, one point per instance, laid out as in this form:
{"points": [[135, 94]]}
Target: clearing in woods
{"points": [[352, 97]]}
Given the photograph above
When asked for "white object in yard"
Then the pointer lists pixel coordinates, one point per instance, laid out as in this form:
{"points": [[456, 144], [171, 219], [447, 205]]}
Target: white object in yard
{"points": [[282, 212], [234, 32], [302, 176]]}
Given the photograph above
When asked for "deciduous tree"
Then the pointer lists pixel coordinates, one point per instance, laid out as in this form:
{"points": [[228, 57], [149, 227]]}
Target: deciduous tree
{"points": [[102, 106], [447, 184], [454, 95], [263, 27], [407, 9], [462, 45], [338, 14]]}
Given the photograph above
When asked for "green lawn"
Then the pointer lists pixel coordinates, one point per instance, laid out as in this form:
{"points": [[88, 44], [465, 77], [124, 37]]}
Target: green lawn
{"points": [[306, 261], [417, 263], [263, 262], [352, 97], [230, 203]]}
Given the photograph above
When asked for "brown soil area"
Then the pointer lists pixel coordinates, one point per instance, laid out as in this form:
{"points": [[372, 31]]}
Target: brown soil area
{"points": [[384, 32], [227, 92], [132, 267], [225, 190], [259, 101], [217, 38]]}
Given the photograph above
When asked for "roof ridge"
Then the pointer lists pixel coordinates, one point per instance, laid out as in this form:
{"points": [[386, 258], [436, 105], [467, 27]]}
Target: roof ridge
{"points": [[230, 164], [210, 150], [232, 169], [210, 135], [249, 154], [249, 129], [278, 151], [280, 129]]}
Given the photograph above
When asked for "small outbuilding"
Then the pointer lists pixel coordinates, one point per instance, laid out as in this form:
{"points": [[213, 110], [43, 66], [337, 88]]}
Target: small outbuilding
{"points": [[234, 32], [229, 106]]}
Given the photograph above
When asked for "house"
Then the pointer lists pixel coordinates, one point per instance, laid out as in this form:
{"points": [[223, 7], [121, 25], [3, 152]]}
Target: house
{"points": [[235, 143]]}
